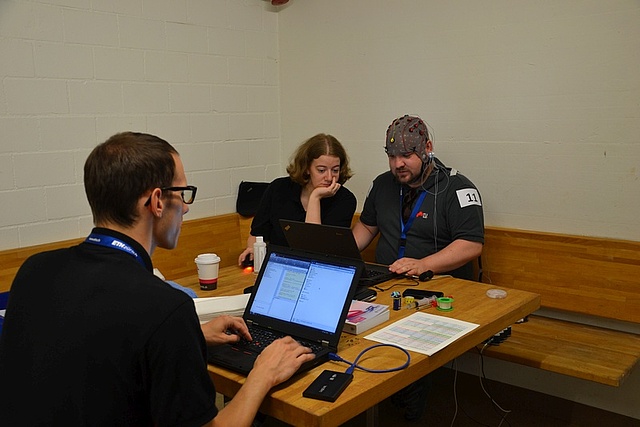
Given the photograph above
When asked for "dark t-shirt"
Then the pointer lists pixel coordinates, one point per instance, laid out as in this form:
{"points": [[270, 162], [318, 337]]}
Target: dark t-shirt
{"points": [[451, 209], [281, 200], [92, 337]]}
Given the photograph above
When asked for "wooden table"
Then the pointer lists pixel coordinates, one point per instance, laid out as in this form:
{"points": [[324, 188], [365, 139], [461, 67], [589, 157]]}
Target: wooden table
{"points": [[285, 402]]}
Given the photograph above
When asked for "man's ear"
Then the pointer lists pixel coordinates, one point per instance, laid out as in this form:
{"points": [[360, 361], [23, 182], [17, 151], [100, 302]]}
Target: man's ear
{"points": [[156, 205]]}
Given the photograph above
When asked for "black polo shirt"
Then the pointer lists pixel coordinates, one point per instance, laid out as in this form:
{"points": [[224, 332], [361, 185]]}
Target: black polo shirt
{"points": [[92, 337]]}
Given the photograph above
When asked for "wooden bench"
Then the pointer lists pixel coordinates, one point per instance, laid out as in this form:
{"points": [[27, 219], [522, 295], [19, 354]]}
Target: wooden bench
{"points": [[225, 235], [589, 323], [588, 278]]}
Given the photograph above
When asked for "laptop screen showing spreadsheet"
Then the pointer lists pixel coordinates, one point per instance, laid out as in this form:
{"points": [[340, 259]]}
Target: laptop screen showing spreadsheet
{"points": [[304, 292], [299, 294]]}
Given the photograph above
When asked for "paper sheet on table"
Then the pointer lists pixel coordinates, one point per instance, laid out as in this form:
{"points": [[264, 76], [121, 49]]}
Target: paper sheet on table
{"points": [[423, 333], [208, 308]]}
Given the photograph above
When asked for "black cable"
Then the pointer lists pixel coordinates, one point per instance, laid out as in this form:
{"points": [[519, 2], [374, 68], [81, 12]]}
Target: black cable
{"points": [[413, 283]]}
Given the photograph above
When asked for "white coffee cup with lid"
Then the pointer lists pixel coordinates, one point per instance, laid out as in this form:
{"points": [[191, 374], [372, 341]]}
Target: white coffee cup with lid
{"points": [[208, 267]]}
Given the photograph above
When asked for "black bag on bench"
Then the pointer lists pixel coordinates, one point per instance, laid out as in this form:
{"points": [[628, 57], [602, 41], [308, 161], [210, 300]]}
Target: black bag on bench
{"points": [[249, 195]]}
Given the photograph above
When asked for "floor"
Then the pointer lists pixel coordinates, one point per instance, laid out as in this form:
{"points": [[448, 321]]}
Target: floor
{"points": [[527, 408]]}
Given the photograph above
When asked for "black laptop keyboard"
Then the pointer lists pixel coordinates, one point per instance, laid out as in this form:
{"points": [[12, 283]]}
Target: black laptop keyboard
{"points": [[263, 337], [369, 274]]}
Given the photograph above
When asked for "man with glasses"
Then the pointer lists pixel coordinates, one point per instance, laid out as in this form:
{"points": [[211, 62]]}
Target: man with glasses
{"points": [[92, 337]]}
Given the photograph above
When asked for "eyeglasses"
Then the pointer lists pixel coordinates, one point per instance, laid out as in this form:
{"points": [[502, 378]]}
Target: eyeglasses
{"points": [[188, 193]]}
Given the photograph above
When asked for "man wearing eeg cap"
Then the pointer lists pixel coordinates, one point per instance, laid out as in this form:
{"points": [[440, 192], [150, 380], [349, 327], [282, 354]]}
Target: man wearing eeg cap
{"points": [[408, 134], [429, 218]]}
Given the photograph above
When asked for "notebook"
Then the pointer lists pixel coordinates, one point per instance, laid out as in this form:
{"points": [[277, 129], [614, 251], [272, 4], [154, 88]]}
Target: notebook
{"points": [[333, 240], [301, 294]]}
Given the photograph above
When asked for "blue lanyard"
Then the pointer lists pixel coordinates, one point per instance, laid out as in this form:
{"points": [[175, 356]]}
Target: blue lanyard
{"points": [[112, 242], [404, 228]]}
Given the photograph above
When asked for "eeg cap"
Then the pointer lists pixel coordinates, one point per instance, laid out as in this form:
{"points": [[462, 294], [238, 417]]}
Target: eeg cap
{"points": [[407, 134]]}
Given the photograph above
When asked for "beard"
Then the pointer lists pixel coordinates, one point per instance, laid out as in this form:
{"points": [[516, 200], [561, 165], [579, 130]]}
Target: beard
{"points": [[408, 177], [404, 175]]}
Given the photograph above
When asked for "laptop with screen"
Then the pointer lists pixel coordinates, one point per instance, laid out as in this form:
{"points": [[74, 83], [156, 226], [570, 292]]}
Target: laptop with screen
{"points": [[333, 240], [299, 294]]}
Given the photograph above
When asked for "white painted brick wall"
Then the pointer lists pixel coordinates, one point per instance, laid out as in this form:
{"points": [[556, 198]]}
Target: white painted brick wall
{"points": [[260, 99], [207, 13], [19, 134], [245, 126], [210, 127], [57, 60], [173, 127], [229, 98], [166, 67], [17, 57], [142, 33], [34, 96], [536, 102], [7, 180], [208, 69], [43, 169], [32, 203], [66, 202], [186, 38], [55, 135], [226, 42], [90, 27], [31, 21], [57, 230], [144, 98], [166, 10], [105, 125], [109, 64], [75, 72], [198, 156], [231, 154], [190, 98], [95, 97], [245, 71]]}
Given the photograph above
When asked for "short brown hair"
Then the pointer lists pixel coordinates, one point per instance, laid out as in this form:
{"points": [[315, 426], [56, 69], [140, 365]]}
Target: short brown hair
{"points": [[121, 170], [311, 149]]}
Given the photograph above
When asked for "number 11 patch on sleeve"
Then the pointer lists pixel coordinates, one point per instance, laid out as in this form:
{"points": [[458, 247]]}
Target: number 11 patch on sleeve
{"points": [[468, 197]]}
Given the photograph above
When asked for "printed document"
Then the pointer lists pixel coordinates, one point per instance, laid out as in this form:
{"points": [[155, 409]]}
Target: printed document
{"points": [[423, 333]]}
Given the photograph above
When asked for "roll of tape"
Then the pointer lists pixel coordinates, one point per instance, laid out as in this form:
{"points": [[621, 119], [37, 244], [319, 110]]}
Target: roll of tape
{"points": [[445, 303], [496, 293]]}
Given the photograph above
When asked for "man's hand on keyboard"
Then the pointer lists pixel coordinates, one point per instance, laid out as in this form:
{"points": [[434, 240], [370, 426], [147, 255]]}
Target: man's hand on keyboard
{"points": [[277, 362], [280, 360], [225, 329]]}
